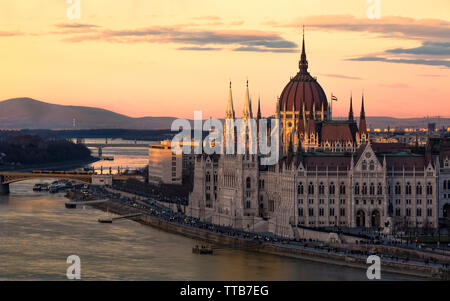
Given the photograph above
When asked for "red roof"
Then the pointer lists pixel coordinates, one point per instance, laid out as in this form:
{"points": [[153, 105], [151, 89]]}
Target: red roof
{"points": [[338, 131], [408, 162], [303, 89], [332, 162], [389, 147]]}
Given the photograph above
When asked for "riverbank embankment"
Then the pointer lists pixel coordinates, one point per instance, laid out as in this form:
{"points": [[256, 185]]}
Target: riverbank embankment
{"points": [[282, 249]]}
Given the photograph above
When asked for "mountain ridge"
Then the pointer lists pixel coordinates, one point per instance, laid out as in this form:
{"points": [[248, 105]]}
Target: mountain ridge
{"points": [[26, 112], [29, 113]]}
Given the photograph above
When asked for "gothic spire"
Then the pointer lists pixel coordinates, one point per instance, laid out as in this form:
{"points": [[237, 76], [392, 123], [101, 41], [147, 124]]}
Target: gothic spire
{"points": [[258, 116], [229, 114], [362, 118], [350, 113], [303, 64], [363, 114], [247, 111]]}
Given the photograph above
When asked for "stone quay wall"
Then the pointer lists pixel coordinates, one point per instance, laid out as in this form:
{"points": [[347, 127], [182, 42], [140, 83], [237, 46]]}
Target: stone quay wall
{"points": [[275, 249]]}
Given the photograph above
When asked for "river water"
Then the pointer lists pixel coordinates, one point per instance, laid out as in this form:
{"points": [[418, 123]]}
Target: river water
{"points": [[37, 234]]}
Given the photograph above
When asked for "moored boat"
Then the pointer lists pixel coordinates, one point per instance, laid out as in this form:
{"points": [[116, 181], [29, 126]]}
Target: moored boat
{"points": [[105, 220], [70, 206], [202, 250]]}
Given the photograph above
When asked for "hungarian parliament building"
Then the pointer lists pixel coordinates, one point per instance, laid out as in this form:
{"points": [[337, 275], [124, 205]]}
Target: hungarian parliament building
{"points": [[329, 173]]}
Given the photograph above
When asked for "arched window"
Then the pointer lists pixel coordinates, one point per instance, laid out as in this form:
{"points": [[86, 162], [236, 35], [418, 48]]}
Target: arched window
{"points": [[379, 189], [208, 177], [311, 188], [429, 189], [357, 188], [321, 188], [364, 189], [300, 188], [342, 188], [408, 188], [372, 165], [398, 188], [364, 165], [249, 183], [372, 189], [419, 189], [332, 188]]}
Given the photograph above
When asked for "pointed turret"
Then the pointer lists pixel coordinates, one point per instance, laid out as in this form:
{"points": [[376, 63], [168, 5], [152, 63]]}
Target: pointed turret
{"points": [[229, 114], [247, 111], [350, 113], [229, 134], [362, 118], [363, 113], [248, 133], [303, 64], [258, 115]]}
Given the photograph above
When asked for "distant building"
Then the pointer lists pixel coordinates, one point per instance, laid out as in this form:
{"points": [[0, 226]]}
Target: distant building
{"points": [[102, 180], [431, 127], [167, 167]]}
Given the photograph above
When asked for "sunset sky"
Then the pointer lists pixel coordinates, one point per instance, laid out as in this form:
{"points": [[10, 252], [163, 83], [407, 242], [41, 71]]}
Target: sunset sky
{"points": [[169, 58]]}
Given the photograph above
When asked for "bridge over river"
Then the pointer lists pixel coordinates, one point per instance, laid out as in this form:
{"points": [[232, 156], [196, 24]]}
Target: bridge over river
{"points": [[101, 146]]}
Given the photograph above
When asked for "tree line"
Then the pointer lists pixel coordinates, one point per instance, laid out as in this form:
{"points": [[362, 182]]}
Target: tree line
{"points": [[34, 149]]}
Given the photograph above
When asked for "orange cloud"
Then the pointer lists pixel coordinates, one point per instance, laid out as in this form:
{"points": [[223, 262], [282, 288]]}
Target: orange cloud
{"points": [[10, 33], [245, 40], [389, 26]]}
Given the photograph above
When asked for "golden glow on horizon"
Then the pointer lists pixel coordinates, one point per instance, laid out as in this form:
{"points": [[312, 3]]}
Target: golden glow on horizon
{"points": [[139, 75]]}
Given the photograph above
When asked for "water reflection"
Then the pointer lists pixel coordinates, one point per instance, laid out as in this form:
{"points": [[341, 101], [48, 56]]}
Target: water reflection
{"points": [[37, 234], [124, 157]]}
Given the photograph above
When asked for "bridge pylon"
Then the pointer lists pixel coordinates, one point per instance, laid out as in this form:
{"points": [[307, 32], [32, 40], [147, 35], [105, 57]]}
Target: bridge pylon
{"points": [[4, 188]]}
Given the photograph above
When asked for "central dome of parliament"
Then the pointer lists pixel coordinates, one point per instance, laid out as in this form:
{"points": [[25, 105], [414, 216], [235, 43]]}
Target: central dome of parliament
{"points": [[303, 89]]}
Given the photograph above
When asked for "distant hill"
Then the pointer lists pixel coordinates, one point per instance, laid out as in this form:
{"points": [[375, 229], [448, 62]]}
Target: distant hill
{"points": [[21, 113], [27, 113], [383, 122]]}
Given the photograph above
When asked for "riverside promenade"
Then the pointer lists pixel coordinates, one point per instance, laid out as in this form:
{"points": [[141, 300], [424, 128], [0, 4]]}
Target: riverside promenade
{"points": [[393, 259]]}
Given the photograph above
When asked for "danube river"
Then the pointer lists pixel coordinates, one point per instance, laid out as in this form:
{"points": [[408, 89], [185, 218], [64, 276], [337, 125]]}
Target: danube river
{"points": [[37, 234]]}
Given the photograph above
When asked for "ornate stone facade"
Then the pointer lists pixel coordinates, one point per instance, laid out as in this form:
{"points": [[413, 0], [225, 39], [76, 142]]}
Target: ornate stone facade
{"points": [[328, 174]]}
